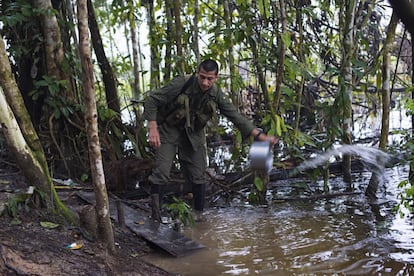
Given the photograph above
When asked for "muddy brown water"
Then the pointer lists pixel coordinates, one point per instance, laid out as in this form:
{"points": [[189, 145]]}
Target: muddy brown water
{"points": [[345, 235]]}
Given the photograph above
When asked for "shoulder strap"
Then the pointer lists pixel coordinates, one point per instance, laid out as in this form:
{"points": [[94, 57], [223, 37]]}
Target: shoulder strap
{"points": [[188, 83]]}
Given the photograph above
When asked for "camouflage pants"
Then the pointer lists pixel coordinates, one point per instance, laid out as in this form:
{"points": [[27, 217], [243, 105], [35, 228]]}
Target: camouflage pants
{"points": [[192, 162]]}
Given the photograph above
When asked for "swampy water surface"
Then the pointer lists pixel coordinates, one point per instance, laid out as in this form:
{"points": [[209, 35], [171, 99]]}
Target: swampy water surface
{"points": [[344, 235]]}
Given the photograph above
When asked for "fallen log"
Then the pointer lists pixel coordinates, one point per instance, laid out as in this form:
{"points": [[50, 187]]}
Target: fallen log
{"points": [[161, 235]]}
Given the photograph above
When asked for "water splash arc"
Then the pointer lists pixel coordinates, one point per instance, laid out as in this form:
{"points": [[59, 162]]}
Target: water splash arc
{"points": [[375, 158]]}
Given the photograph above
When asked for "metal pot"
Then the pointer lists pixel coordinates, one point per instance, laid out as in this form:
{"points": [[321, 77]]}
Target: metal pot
{"points": [[261, 156]]}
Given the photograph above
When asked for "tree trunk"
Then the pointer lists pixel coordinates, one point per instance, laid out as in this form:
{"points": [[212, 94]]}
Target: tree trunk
{"points": [[178, 36], [108, 76], [23, 140], [302, 59], [136, 90], [230, 48], [33, 170], [196, 47], [405, 11], [260, 73], [386, 99], [105, 231], [281, 55], [411, 173], [54, 52], [170, 38], [154, 49], [386, 80], [346, 82]]}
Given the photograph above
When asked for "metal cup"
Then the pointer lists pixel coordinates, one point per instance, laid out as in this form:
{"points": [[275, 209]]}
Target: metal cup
{"points": [[261, 156]]}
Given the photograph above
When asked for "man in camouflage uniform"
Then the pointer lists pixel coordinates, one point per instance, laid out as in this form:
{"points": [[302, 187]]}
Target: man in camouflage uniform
{"points": [[181, 130]]}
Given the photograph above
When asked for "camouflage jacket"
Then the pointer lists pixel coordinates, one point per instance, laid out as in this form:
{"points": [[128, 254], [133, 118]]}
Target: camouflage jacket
{"points": [[201, 105]]}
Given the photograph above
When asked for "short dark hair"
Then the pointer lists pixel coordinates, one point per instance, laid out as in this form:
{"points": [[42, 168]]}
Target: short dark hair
{"points": [[209, 65]]}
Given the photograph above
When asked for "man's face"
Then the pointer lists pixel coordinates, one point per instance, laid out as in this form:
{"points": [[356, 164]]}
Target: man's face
{"points": [[206, 79]]}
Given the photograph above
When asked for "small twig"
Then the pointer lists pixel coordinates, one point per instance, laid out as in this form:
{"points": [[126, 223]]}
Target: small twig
{"points": [[225, 187], [241, 179], [56, 143], [127, 202]]}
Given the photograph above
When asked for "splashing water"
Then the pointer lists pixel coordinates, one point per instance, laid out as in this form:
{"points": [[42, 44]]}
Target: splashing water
{"points": [[373, 157]]}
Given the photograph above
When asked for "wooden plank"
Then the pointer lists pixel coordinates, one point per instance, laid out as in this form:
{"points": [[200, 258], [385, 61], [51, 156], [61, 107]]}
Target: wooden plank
{"points": [[173, 242]]}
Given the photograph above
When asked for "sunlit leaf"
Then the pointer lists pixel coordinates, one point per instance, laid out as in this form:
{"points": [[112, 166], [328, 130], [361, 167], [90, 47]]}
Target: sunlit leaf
{"points": [[48, 224]]}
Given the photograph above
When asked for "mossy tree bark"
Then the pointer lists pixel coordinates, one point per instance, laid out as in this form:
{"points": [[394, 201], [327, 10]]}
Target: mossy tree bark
{"points": [[105, 231], [23, 140]]}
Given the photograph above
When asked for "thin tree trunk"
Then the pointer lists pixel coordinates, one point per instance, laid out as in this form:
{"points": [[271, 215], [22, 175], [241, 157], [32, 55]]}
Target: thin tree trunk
{"points": [[386, 80], [108, 76], [411, 173], [386, 100], [71, 33], [218, 21], [281, 55], [105, 231], [302, 59], [260, 73], [405, 11], [142, 65], [346, 82], [170, 39], [155, 51], [178, 36], [136, 90], [196, 47], [230, 48]]}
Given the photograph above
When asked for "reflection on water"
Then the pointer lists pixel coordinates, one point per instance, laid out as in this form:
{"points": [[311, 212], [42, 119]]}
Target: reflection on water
{"points": [[344, 235]]}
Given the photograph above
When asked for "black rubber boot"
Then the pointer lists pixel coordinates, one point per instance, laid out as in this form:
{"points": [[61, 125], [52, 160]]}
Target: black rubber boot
{"points": [[156, 202], [155, 207], [199, 192]]}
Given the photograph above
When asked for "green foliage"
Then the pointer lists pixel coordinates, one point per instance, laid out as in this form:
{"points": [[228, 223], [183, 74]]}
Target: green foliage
{"points": [[49, 224], [51, 89], [19, 201], [17, 13], [332, 124], [409, 106], [19, 19], [258, 183], [106, 114], [253, 197], [12, 207], [180, 210], [274, 124], [313, 56], [84, 177], [258, 194], [406, 196]]}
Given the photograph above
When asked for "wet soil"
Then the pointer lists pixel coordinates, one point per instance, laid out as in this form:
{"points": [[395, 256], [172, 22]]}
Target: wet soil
{"points": [[28, 248]]}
